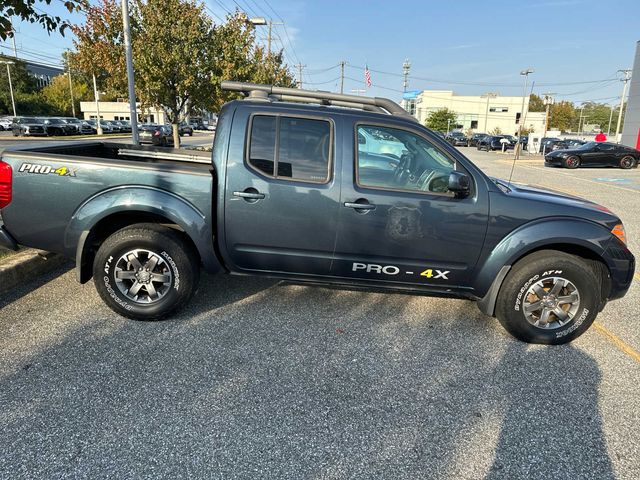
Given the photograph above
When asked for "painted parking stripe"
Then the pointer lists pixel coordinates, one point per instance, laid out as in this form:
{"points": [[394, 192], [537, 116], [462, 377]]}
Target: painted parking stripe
{"points": [[617, 341]]}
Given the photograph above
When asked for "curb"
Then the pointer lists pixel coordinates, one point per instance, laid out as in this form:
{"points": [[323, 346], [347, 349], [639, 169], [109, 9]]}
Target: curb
{"points": [[24, 266]]}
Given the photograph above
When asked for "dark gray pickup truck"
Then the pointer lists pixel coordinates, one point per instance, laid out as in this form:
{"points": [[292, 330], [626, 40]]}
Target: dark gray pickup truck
{"points": [[320, 188]]}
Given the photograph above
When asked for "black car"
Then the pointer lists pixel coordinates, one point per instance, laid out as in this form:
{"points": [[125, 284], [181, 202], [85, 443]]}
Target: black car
{"points": [[28, 126], [160, 135], [57, 127], [594, 154], [548, 144], [81, 126], [457, 139], [475, 138], [494, 142]]}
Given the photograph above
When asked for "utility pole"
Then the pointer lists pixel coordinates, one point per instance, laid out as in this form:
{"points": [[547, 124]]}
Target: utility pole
{"points": [[73, 106], [525, 74], [489, 95], [610, 119], [13, 102], [129, 58], [406, 69], [626, 77], [96, 96], [13, 39], [548, 101], [299, 67], [342, 64]]}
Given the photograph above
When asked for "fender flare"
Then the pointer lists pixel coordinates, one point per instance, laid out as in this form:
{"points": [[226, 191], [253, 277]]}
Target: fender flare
{"points": [[143, 199], [536, 235]]}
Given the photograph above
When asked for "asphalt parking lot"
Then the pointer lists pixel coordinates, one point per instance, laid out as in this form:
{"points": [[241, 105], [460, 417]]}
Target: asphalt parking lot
{"points": [[261, 379]]}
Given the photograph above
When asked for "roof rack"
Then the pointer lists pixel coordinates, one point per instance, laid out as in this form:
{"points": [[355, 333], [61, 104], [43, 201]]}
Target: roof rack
{"points": [[256, 91]]}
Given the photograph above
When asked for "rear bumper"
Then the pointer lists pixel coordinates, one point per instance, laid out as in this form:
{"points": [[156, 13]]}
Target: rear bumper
{"points": [[6, 240]]}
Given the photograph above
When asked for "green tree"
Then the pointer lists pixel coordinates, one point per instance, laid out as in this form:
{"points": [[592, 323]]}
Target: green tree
{"points": [[562, 116], [441, 120], [496, 131], [536, 104], [28, 11], [24, 86], [599, 114], [58, 95]]}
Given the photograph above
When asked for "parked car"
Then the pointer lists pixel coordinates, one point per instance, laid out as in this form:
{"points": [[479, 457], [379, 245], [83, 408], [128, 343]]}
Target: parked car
{"points": [[5, 123], [28, 126], [552, 144], [457, 139], [594, 154], [185, 129], [125, 126], [160, 135], [107, 126], [494, 142], [56, 127], [81, 126], [475, 138], [143, 226]]}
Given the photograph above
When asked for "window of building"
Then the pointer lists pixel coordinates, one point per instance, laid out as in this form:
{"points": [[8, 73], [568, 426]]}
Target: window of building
{"points": [[499, 109], [290, 148], [518, 118], [474, 124], [395, 159]]}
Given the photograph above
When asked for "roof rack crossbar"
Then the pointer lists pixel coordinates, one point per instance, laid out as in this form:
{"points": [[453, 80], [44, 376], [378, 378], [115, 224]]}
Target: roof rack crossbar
{"points": [[314, 96]]}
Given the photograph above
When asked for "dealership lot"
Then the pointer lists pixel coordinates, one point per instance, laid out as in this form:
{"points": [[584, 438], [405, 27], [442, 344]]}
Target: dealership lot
{"points": [[260, 379]]}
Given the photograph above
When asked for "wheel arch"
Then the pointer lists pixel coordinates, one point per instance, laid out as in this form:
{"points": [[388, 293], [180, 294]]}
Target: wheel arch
{"points": [[575, 237], [110, 211]]}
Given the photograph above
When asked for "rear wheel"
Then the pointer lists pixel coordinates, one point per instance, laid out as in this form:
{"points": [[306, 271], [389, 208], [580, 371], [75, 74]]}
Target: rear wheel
{"points": [[146, 271], [627, 162], [571, 162], [549, 297]]}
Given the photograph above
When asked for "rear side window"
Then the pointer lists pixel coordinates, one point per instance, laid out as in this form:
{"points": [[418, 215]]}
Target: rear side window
{"points": [[291, 148]]}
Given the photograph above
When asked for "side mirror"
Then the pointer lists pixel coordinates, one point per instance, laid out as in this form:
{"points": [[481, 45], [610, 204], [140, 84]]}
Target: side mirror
{"points": [[459, 184]]}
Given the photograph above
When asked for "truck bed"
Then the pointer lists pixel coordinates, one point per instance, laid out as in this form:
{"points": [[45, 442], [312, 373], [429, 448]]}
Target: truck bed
{"points": [[53, 184]]}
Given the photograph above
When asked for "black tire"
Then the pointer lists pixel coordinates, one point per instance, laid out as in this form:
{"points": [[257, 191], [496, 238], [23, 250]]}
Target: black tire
{"points": [[571, 162], [175, 261], [533, 272], [627, 162]]}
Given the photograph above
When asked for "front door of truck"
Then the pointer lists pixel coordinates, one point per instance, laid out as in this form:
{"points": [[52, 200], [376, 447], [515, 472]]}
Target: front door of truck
{"points": [[398, 222], [282, 194]]}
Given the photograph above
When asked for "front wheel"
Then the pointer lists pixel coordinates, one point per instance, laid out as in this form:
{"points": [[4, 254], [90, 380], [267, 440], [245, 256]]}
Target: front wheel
{"points": [[627, 162], [571, 162], [548, 297], [146, 271]]}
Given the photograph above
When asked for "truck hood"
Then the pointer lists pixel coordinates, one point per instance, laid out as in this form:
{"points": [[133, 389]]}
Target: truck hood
{"points": [[536, 193]]}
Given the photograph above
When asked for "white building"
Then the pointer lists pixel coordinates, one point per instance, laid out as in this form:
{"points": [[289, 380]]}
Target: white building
{"points": [[120, 111], [481, 114]]}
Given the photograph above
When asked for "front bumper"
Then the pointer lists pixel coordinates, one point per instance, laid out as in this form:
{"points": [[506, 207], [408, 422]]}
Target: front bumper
{"points": [[622, 266], [552, 161]]}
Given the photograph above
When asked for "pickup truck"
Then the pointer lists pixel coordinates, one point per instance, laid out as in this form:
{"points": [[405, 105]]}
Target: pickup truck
{"points": [[288, 193]]}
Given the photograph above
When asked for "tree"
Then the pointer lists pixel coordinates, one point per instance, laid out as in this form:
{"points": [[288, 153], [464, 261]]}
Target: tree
{"points": [[496, 131], [29, 12], [99, 47], [441, 120], [175, 71], [58, 95], [562, 116], [24, 86], [536, 104]]}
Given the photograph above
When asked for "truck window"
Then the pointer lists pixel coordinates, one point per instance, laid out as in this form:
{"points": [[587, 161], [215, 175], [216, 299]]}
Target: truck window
{"points": [[401, 160], [303, 151]]}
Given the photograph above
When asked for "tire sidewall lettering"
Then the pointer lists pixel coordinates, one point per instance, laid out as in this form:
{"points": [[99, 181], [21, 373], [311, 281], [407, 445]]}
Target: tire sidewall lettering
{"points": [[174, 268]]}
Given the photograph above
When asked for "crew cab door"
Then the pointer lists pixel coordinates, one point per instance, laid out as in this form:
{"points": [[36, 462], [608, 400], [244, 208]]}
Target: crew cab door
{"points": [[282, 193], [399, 224]]}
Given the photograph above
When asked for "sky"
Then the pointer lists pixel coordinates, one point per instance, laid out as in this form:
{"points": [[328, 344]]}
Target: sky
{"points": [[575, 47]]}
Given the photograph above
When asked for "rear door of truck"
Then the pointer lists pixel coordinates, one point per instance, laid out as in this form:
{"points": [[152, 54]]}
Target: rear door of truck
{"points": [[282, 191]]}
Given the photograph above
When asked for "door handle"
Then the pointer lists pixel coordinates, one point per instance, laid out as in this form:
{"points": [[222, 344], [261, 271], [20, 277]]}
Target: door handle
{"points": [[362, 204], [249, 194]]}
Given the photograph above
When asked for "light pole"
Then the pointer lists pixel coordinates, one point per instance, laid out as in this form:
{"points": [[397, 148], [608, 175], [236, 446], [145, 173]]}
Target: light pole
{"points": [[548, 101], [626, 77], [133, 111], [525, 74], [489, 95], [13, 102], [96, 96]]}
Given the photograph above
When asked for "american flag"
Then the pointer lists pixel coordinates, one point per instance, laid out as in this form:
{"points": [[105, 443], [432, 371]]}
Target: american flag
{"points": [[367, 76]]}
